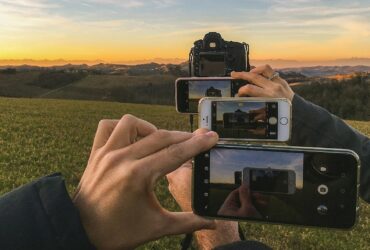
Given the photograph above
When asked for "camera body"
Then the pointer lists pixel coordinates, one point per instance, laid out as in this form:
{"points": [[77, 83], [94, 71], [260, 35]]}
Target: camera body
{"points": [[213, 56]]}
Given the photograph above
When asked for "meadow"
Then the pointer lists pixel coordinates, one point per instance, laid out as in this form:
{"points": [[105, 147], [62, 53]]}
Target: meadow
{"points": [[42, 136]]}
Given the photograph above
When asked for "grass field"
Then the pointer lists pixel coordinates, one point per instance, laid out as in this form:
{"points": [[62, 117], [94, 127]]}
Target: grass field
{"points": [[38, 137]]}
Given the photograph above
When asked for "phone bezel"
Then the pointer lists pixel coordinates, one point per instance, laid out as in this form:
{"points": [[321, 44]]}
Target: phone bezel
{"points": [[288, 149], [284, 131], [205, 79]]}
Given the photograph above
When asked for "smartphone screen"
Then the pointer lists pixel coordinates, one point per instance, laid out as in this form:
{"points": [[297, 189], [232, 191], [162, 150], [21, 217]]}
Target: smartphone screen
{"points": [[253, 120], [189, 92], [277, 186]]}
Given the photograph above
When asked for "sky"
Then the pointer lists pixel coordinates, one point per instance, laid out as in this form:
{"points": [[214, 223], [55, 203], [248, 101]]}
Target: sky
{"points": [[224, 162], [129, 30]]}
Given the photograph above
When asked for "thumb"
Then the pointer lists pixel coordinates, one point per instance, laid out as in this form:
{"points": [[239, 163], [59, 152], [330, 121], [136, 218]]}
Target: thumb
{"points": [[188, 222], [244, 195]]}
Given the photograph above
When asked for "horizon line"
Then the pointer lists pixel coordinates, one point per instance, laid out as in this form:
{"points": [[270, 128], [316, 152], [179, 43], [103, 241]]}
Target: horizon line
{"points": [[276, 62]]}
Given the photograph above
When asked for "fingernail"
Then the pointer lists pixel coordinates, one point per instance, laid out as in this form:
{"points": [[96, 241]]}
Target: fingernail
{"points": [[211, 134]]}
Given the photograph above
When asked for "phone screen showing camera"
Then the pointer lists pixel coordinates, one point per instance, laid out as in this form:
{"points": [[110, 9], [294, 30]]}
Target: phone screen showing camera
{"points": [[189, 92], [253, 120], [304, 188]]}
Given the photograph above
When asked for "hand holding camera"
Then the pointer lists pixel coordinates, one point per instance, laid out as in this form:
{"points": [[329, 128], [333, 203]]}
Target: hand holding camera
{"points": [[255, 107]]}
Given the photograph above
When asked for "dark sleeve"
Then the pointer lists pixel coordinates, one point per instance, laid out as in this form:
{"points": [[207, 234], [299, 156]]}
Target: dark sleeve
{"points": [[41, 215], [313, 126], [244, 245]]}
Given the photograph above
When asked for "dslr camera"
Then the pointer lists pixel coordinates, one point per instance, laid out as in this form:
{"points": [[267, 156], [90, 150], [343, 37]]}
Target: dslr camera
{"points": [[213, 56]]}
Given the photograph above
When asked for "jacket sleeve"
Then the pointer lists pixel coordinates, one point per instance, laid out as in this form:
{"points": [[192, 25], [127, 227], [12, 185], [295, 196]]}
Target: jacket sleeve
{"points": [[41, 215], [313, 126]]}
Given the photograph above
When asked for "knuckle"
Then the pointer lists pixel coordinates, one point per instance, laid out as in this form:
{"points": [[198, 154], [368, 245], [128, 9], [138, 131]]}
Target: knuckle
{"points": [[111, 158], [103, 123], [135, 170], [128, 118], [268, 67]]}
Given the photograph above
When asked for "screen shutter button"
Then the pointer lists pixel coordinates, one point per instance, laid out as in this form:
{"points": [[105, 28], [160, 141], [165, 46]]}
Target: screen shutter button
{"points": [[322, 209], [272, 120], [323, 189]]}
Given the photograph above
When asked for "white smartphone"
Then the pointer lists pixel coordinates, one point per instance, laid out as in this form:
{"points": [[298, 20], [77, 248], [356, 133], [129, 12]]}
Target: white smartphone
{"points": [[247, 118]]}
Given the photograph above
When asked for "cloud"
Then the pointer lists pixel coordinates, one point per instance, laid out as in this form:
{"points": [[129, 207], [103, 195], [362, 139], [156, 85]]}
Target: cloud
{"points": [[119, 3], [132, 3]]}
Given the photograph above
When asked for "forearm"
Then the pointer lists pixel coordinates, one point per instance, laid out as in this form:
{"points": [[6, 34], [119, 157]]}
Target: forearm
{"points": [[314, 126]]}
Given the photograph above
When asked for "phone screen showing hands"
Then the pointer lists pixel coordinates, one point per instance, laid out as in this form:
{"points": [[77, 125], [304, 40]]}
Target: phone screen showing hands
{"points": [[290, 187]]}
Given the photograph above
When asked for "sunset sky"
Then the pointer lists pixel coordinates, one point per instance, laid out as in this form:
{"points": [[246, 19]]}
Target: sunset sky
{"points": [[127, 30]]}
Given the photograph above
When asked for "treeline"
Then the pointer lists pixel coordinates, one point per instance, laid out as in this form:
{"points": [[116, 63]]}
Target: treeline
{"points": [[54, 80], [348, 99]]}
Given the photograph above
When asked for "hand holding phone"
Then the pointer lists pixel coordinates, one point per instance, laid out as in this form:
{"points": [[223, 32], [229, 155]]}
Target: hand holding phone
{"points": [[239, 204]]}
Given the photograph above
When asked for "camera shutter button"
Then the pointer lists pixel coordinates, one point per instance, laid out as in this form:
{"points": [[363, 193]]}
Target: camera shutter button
{"points": [[272, 120]]}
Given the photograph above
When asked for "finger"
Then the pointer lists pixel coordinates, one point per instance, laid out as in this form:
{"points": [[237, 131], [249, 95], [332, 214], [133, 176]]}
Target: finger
{"points": [[157, 141], [244, 195], [187, 222], [189, 164], [252, 90], [170, 158], [260, 199], [199, 131], [265, 70], [260, 117], [232, 198], [103, 132], [254, 78], [127, 131]]}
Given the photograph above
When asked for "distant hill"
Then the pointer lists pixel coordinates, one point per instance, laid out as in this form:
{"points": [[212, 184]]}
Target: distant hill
{"points": [[283, 63], [324, 71], [181, 69], [153, 83], [108, 69]]}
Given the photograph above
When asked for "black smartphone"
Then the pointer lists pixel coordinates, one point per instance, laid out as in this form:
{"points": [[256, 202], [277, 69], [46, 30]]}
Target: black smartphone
{"points": [[190, 90], [273, 184]]}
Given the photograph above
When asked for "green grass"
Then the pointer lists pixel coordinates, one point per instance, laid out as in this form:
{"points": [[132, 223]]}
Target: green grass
{"points": [[39, 137]]}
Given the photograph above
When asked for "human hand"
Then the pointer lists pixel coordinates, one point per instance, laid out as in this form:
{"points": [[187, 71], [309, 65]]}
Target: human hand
{"points": [[262, 86], [180, 187], [239, 204], [115, 197]]}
